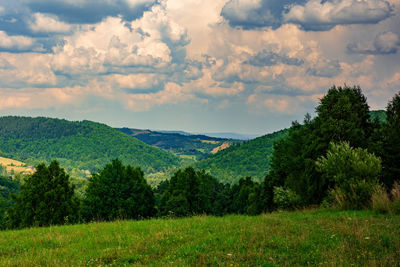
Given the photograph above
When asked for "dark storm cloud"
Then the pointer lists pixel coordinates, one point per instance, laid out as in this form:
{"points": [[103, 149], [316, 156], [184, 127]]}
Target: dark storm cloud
{"points": [[91, 11], [312, 15], [251, 14]]}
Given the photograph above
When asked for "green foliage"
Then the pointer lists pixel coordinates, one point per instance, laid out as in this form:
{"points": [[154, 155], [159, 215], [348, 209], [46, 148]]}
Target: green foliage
{"points": [[251, 158], [353, 173], [7, 187], [245, 197], [391, 143], [46, 198], [79, 146], [379, 115], [343, 115], [286, 199], [118, 192], [190, 192]]}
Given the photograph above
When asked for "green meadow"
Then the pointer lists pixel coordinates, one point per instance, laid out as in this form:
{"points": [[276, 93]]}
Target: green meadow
{"points": [[301, 238]]}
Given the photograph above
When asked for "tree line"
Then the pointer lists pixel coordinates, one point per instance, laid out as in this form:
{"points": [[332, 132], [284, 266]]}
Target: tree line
{"points": [[341, 158]]}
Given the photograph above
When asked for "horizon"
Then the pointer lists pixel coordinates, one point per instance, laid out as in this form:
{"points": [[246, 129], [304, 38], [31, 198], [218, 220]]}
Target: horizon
{"points": [[246, 67]]}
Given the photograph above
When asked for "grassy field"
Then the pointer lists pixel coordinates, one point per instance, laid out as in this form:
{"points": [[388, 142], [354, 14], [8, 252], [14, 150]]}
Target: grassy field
{"points": [[280, 239], [17, 166]]}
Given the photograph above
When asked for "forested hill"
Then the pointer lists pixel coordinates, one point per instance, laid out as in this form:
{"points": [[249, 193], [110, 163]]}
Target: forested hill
{"points": [[78, 146], [250, 158], [182, 144]]}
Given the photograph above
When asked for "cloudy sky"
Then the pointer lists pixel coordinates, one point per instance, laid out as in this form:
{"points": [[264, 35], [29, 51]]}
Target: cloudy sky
{"points": [[246, 66]]}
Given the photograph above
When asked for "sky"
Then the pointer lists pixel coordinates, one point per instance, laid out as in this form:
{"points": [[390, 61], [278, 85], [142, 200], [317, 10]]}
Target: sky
{"points": [[244, 66]]}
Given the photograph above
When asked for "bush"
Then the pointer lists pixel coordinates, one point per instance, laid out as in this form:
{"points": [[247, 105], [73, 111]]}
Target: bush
{"points": [[286, 199], [352, 173]]}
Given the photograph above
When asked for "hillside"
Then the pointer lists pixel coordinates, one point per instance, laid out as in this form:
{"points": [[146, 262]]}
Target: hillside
{"points": [[250, 158], [378, 114], [81, 147], [354, 238], [188, 147]]}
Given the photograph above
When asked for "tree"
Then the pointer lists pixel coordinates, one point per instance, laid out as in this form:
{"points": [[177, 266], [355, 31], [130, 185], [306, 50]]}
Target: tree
{"points": [[118, 192], [192, 192], [352, 173], [342, 115], [46, 198], [391, 143]]}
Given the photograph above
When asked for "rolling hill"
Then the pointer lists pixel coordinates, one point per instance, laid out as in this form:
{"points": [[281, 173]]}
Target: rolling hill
{"points": [[187, 146], [81, 147], [250, 158]]}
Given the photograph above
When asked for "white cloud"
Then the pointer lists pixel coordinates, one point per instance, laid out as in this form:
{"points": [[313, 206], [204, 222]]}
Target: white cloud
{"points": [[48, 24], [15, 42]]}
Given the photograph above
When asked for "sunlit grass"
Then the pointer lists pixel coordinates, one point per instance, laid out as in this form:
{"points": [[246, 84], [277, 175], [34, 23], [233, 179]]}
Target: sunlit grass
{"points": [[298, 238]]}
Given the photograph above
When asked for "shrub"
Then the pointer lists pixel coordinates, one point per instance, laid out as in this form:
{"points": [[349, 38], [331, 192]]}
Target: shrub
{"points": [[286, 199], [352, 173]]}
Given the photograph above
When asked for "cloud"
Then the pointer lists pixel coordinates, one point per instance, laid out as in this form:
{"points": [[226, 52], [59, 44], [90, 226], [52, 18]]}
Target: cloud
{"points": [[269, 58], [48, 24], [325, 68], [5, 65], [115, 46], [91, 11], [172, 94], [314, 15], [317, 15], [251, 14], [384, 43], [15, 43]]}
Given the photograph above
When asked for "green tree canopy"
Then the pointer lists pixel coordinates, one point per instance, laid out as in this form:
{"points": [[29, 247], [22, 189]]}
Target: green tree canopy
{"points": [[391, 143], [46, 198], [192, 192], [118, 192], [343, 115]]}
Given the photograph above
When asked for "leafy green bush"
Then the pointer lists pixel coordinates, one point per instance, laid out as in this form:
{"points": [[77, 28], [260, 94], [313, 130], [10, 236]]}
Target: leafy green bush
{"points": [[352, 174], [286, 199]]}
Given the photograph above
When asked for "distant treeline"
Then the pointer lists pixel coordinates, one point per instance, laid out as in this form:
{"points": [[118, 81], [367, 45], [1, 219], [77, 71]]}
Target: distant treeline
{"points": [[342, 158]]}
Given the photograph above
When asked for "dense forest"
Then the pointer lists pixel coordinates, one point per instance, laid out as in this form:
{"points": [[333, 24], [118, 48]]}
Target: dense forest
{"points": [[342, 159], [251, 158], [81, 147]]}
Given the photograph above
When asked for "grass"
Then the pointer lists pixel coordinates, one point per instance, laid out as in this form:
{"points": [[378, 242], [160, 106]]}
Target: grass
{"points": [[15, 165], [280, 239]]}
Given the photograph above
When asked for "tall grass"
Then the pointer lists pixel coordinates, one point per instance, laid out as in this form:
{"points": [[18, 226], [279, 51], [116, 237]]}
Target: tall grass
{"points": [[308, 238]]}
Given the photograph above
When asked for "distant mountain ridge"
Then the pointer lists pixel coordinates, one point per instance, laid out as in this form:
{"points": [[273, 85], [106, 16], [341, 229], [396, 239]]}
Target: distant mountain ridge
{"points": [[188, 146]]}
